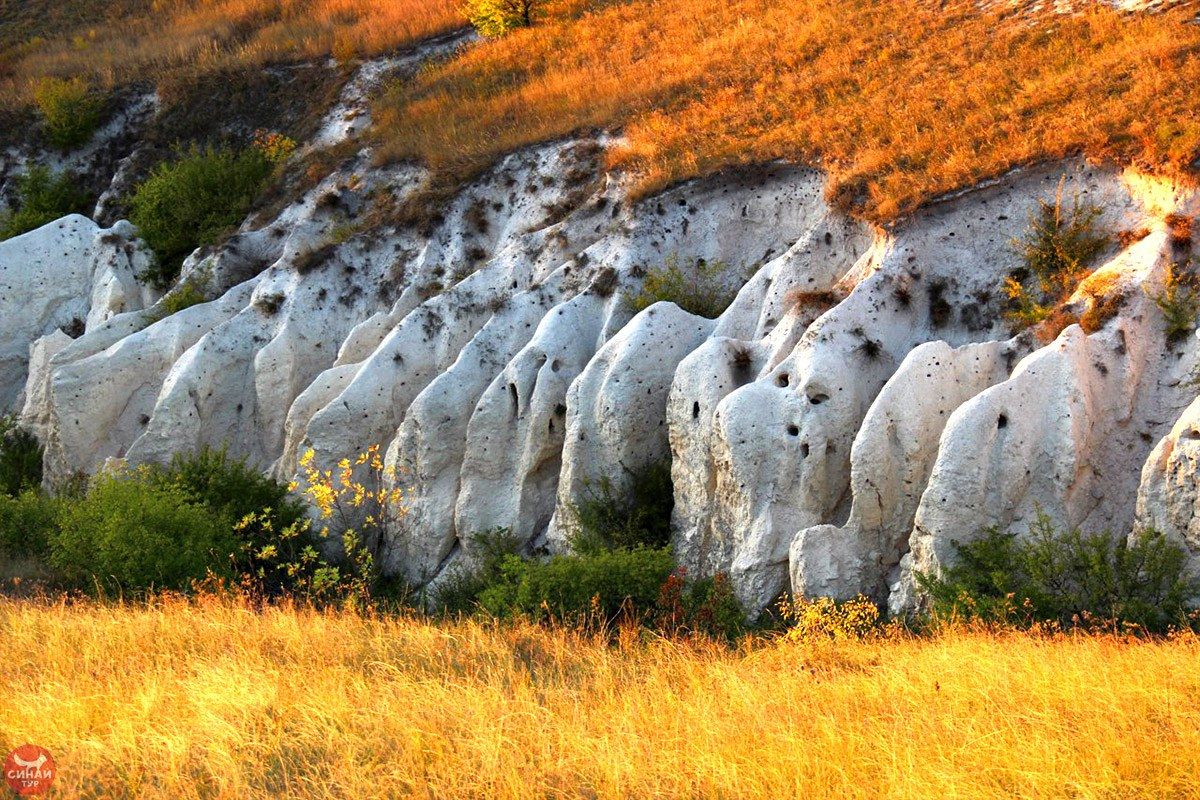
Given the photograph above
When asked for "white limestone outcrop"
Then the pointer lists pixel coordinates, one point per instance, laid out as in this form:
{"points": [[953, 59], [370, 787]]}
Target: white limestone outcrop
{"points": [[858, 408], [891, 459], [69, 275]]}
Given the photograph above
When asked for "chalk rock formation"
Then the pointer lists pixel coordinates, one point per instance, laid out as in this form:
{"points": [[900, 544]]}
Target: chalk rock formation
{"points": [[1168, 498], [891, 459], [858, 407], [1066, 435], [768, 454], [68, 275]]}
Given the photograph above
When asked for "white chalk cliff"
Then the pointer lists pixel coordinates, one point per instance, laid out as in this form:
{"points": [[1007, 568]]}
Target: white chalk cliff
{"points": [[860, 406]]}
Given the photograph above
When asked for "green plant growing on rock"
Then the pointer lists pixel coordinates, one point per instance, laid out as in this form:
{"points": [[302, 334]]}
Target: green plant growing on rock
{"points": [[190, 292], [1067, 578], [41, 198], [20, 458], [1056, 252], [1178, 301], [698, 288], [499, 17], [69, 108], [194, 200], [607, 518]]}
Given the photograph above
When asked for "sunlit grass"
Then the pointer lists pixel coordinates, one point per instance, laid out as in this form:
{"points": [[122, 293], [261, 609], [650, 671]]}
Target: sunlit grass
{"points": [[149, 41], [900, 100], [213, 699]]}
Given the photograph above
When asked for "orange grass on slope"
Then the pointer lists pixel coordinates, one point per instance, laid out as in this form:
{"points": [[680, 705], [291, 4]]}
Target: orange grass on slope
{"points": [[196, 35], [898, 100], [214, 700]]}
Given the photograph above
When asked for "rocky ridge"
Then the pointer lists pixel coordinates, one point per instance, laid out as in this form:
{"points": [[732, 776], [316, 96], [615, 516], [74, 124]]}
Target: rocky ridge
{"points": [[859, 406]]}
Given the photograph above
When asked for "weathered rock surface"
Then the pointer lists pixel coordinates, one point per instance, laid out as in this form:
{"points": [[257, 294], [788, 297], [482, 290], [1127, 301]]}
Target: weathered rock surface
{"points": [[891, 459], [68, 275], [858, 407]]}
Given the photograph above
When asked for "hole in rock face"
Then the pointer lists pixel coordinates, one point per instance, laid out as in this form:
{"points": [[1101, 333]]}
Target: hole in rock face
{"points": [[783, 381], [696, 410], [1002, 423], [512, 392], [794, 430], [817, 399], [804, 451]]}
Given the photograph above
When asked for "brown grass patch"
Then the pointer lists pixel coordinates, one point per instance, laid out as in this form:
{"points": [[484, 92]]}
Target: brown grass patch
{"points": [[1059, 320], [1180, 227], [899, 101], [1128, 238]]}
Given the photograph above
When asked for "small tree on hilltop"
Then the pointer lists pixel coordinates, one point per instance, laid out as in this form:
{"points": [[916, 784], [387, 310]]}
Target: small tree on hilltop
{"points": [[498, 17]]}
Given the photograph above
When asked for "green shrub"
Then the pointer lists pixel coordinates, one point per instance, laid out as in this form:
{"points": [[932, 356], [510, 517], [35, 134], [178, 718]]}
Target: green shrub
{"points": [[593, 588], [28, 521], [498, 17], [1179, 302], [41, 198], [460, 593], [260, 512], [20, 458], [70, 110], [191, 201], [1064, 577], [698, 289], [1059, 245], [609, 519], [191, 292], [134, 531]]}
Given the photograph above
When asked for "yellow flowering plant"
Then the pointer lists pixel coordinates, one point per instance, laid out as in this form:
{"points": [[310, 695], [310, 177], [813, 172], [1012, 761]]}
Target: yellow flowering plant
{"points": [[344, 504], [823, 618]]}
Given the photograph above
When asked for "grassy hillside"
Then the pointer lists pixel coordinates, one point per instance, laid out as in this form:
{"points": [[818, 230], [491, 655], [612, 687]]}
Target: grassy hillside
{"points": [[182, 700], [900, 100], [153, 40]]}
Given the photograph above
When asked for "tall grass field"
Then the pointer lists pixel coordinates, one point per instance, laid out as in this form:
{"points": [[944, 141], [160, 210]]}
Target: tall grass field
{"points": [[212, 698]]}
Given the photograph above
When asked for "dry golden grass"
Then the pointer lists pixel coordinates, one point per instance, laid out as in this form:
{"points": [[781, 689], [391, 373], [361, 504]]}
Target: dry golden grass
{"points": [[901, 100], [214, 700], [188, 36]]}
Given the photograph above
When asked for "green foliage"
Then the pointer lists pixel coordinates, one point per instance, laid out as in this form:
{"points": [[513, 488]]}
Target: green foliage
{"points": [[1179, 302], [27, 523], [1059, 245], [275, 553], [20, 458], [698, 289], [193, 200], [498, 17], [134, 531], [41, 198], [597, 587], [608, 519], [1064, 577], [460, 593], [70, 110], [191, 292]]}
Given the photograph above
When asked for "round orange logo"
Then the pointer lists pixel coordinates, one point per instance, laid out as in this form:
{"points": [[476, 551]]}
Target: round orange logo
{"points": [[29, 770]]}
